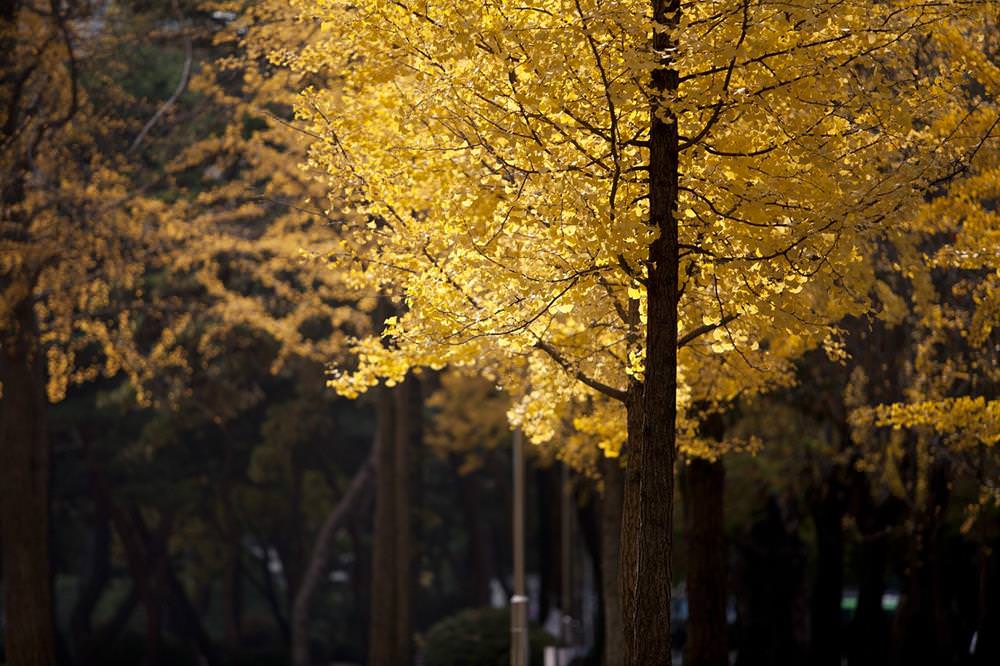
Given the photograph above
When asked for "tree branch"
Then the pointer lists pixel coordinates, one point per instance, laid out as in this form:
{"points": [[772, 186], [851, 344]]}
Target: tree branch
{"points": [[600, 387], [696, 333], [181, 87]]}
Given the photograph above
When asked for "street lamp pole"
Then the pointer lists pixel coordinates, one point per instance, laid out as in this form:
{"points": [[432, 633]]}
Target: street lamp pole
{"points": [[519, 600]]}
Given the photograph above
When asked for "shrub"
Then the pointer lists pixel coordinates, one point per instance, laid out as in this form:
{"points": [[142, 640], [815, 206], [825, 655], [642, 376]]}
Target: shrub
{"points": [[478, 636]]}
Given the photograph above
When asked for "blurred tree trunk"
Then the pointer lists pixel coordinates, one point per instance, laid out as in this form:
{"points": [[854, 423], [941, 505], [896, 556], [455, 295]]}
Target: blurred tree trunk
{"points": [[24, 505], [987, 651], [774, 583], [477, 567], [703, 489], [825, 614], [91, 588], [141, 569], [869, 629], [154, 551], [292, 547], [361, 578], [408, 405], [382, 628], [271, 595], [588, 513], [549, 544], [611, 594], [399, 431], [319, 561], [921, 628], [232, 580]]}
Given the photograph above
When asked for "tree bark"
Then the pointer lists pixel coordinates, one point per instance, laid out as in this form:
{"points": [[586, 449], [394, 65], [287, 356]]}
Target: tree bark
{"points": [[24, 504], [611, 521], [382, 627], [647, 521], [319, 560], [408, 405], [703, 488]]}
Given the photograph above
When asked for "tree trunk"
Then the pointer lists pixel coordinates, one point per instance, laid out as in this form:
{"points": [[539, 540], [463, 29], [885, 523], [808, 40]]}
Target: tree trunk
{"points": [[647, 520], [828, 584], [869, 626], [611, 521], [137, 560], [408, 432], [232, 584], [382, 627], [921, 625], [106, 635], [549, 544], [90, 590], [155, 550], [988, 628], [24, 504], [774, 584], [703, 488], [319, 561], [232, 580], [477, 569]]}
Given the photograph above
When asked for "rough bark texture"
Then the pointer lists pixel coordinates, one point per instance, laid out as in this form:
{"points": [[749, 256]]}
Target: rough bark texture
{"points": [[647, 520], [611, 520], [24, 502], [703, 488], [319, 561]]}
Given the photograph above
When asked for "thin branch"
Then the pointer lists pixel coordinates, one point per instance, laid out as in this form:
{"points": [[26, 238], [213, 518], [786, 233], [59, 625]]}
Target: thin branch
{"points": [[181, 87], [696, 333], [600, 387]]}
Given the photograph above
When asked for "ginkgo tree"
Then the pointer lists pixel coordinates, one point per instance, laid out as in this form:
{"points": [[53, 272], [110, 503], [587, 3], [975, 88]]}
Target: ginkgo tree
{"points": [[565, 194]]}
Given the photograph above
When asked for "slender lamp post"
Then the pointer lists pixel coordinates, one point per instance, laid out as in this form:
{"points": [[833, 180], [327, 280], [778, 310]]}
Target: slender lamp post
{"points": [[519, 601]]}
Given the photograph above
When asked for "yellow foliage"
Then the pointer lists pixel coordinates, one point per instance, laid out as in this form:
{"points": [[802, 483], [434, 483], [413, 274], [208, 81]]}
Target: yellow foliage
{"points": [[494, 157]]}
